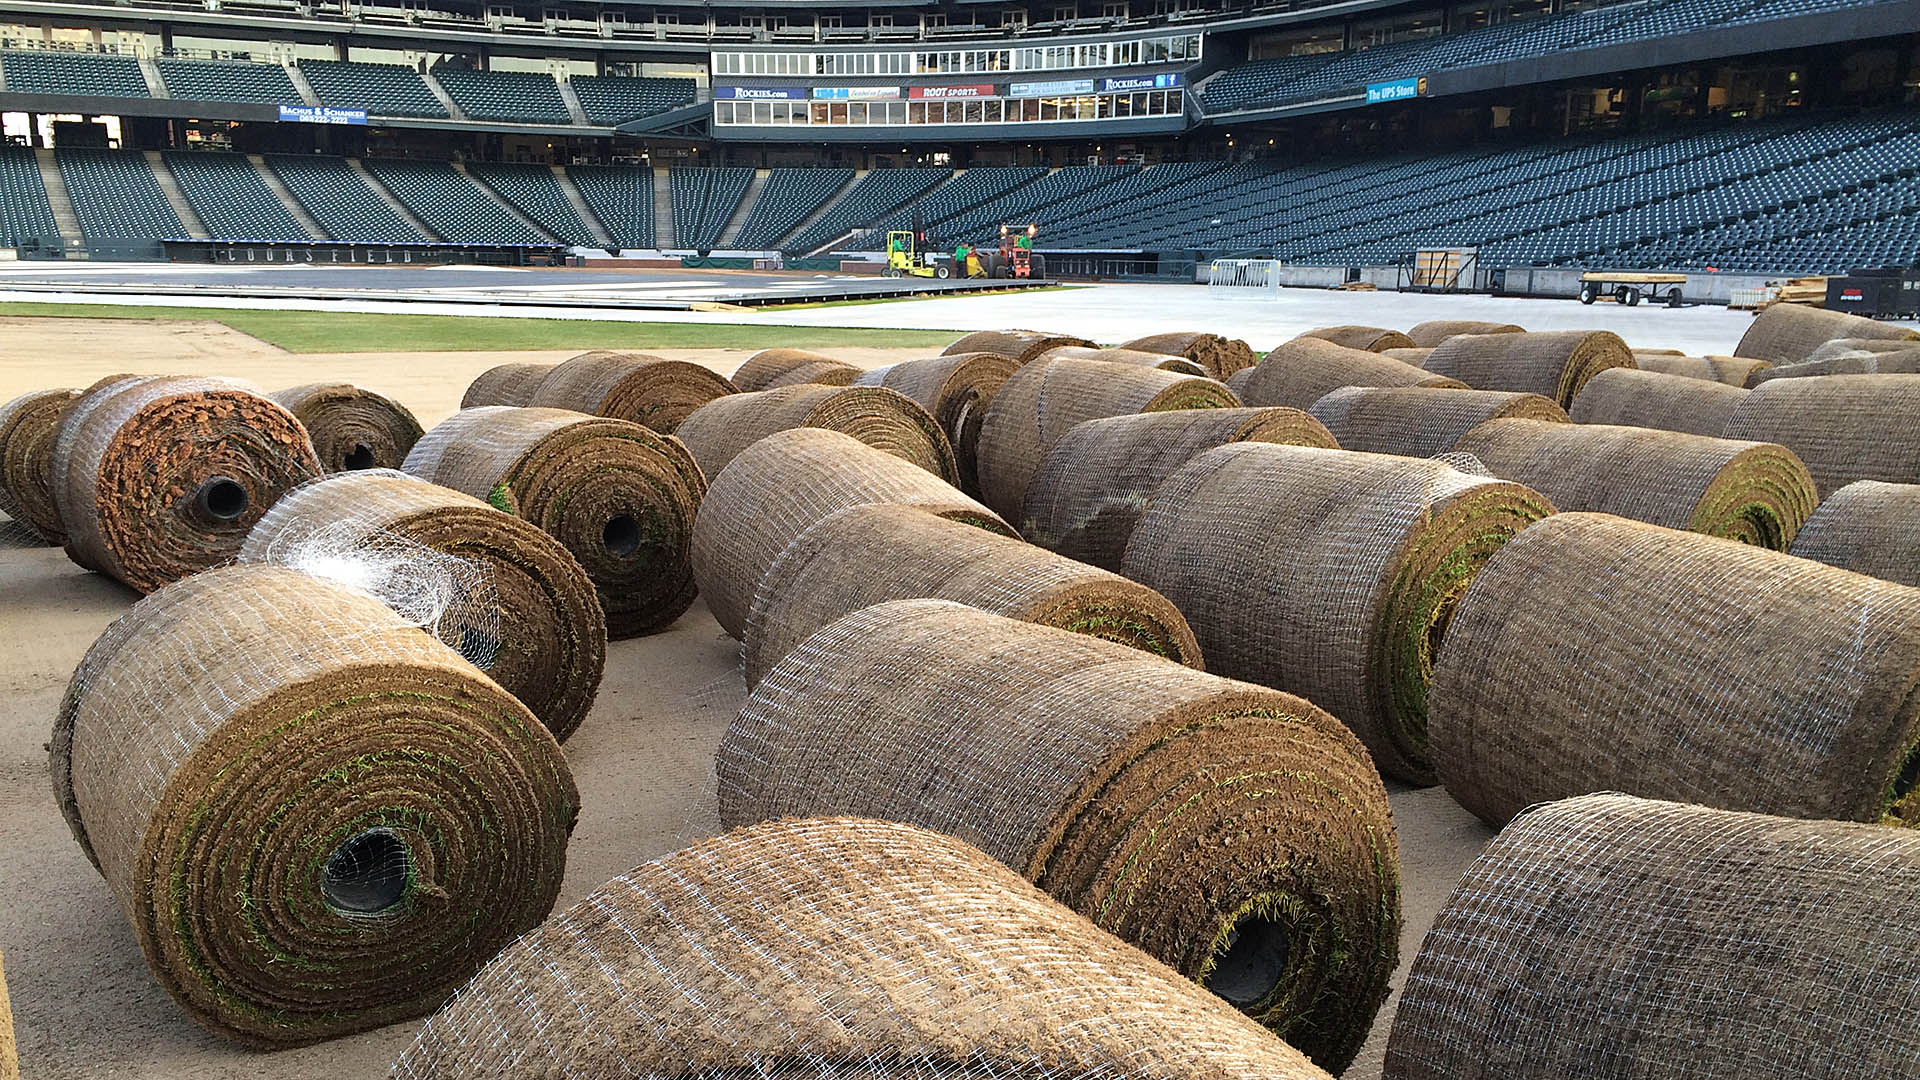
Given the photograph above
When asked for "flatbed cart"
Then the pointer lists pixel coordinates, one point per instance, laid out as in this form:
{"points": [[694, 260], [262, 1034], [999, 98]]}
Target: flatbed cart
{"points": [[1627, 287]]}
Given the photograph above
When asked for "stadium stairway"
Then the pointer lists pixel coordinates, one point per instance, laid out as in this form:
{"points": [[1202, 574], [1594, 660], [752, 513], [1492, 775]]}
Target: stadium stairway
{"points": [[574, 109], [156, 85], [300, 83], [731, 230], [176, 198], [505, 203], [445, 99], [826, 207], [663, 234], [601, 234], [58, 198], [293, 205], [393, 203]]}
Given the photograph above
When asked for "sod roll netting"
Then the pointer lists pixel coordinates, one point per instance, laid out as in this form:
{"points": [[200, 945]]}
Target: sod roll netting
{"points": [[1096, 481], [829, 949], [869, 554], [1420, 421], [1416, 357], [317, 818], [1789, 333], [1868, 527], [956, 390], [1179, 365], [1845, 427], [27, 428], [1220, 356], [1329, 574], [1554, 365], [538, 629], [1428, 334], [772, 368], [1302, 371], [1367, 338], [1236, 833], [1756, 493], [351, 428], [1904, 360], [654, 393], [1650, 399], [1021, 345], [884, 419], [1677, 666], [1609, 938], [1731, 370], [619, 497], [505, 384]]}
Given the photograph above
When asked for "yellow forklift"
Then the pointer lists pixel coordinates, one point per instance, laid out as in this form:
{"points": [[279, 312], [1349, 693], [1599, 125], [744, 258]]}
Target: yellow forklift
{"points": [[905, 259]]}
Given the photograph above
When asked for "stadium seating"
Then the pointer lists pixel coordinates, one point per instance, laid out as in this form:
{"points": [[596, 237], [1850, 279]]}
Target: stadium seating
{"points": [[92, 74], [703, 200], [622, 198], [204, 80], [116, 196], [1034, 203], [451, 204], [963, 192], [340, 200], [612, 100], [232, 199], [877, 193], [25, 213], [381, 89], [786, 200], [536, 192], [521, 97]]}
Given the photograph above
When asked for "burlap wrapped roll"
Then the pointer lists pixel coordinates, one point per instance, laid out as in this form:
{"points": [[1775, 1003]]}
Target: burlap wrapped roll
{"points": [[1789, 333], [1845, 427], [1179, 365], [1328, 573], [1650, 399], [1306, 369], [1420, 421], [883, 419], [1632, 938], [550, 644], [769, 369], [1893, 358], [159, 477], [505, 384], [1416, 357], [957, 390], [834, 947], [1428, 334], [619, 497], [1045, 399], [1867, 527], [1022, 345], [1732, 370], [869, 554], [1368, 338], [1554, 365], [351, 428], [1677, 666], [784, 485], [1236, 833], [318, 818], [27, 427], [1095, 482], [654, 393], [1220, 356], [1756, 493]]}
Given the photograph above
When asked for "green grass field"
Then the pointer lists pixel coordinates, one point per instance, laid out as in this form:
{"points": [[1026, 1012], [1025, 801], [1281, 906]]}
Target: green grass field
{"points": [[343, 332]]}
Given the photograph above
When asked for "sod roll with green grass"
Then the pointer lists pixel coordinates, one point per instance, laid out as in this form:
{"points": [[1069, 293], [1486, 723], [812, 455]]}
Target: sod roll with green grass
{"points": [[1868, 527], [1177, 364], [352, 428], [956, 390], [505, 384], [1094, 484], [770, 369], [1420, 421], [1554, 365], [547, 642], [1329, 574], [1021, 345], [317, 818], [1596, 653], [884, 419], [1368, 338], [28, 425], [1845, 427], [1302, 371], [1650, 399], [619, 497], [1220, 356], [1732, 370], [1789, 333], [1428, 334], [1629, 938], [1238, 834], [647, 390]]}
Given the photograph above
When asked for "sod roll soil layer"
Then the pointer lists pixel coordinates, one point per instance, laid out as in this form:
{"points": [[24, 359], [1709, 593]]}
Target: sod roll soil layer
{"points": [[834, 948], [27, 428], [647, 390], [1021, 345], [1328, 573], [1096, 481], [1732, 370], [1428, 334], [351, 428], [866, 555], [505, 384], [1236, 833], [1629, 938], [1420, 421], [1554, 365], [1302, 371], [772, 368], [1368, 338], [159, 478], [1596, 653], [956, 389], [1868, 527], [883, 419], [317, 818], [783, 485], [1179, 365], [1045, 399], [1845, 427], [619, 497], [547, 642], [1756, 493], [1789, 333], [9, 1047], [1220, 356], [1650, 399]]}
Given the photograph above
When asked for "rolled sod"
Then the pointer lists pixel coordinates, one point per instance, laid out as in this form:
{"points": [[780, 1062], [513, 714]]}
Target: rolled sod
{"points": [[505, 384], [1554, 365], [1732, 370], [1094, 484], [1220, 356], [9, 1047], [1238, 834], [1329, 574], [1845, 427], [28, 425], [1417, 357], [1651, 399], [1428, 334], [157, 478], [1179, 365], [619, 497], [834, 947], [783, 485], [351, 428], [647, 390], [1302, 371], [1630, 938], [772, 368], [1858, 358], [1756, 493], [1420, 421], [866, 555], [956, 390], [317, 818], [1045, 399], [1596, 653], [1021, 345], [549, 642], [1868, 527], [1789, 333], [883, 419], [1369, 338]]}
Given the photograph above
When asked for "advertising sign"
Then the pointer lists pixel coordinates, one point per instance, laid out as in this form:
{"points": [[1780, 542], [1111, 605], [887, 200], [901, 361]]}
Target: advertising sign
{"points": [[1396, 90], [856, 93], [1057, 88], [1166, 81], [309, 114], [947, 93], [761, 93]]}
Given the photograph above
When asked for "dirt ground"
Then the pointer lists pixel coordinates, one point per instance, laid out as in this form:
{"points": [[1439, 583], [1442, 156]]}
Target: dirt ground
{"points": [[84, 1004]]}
